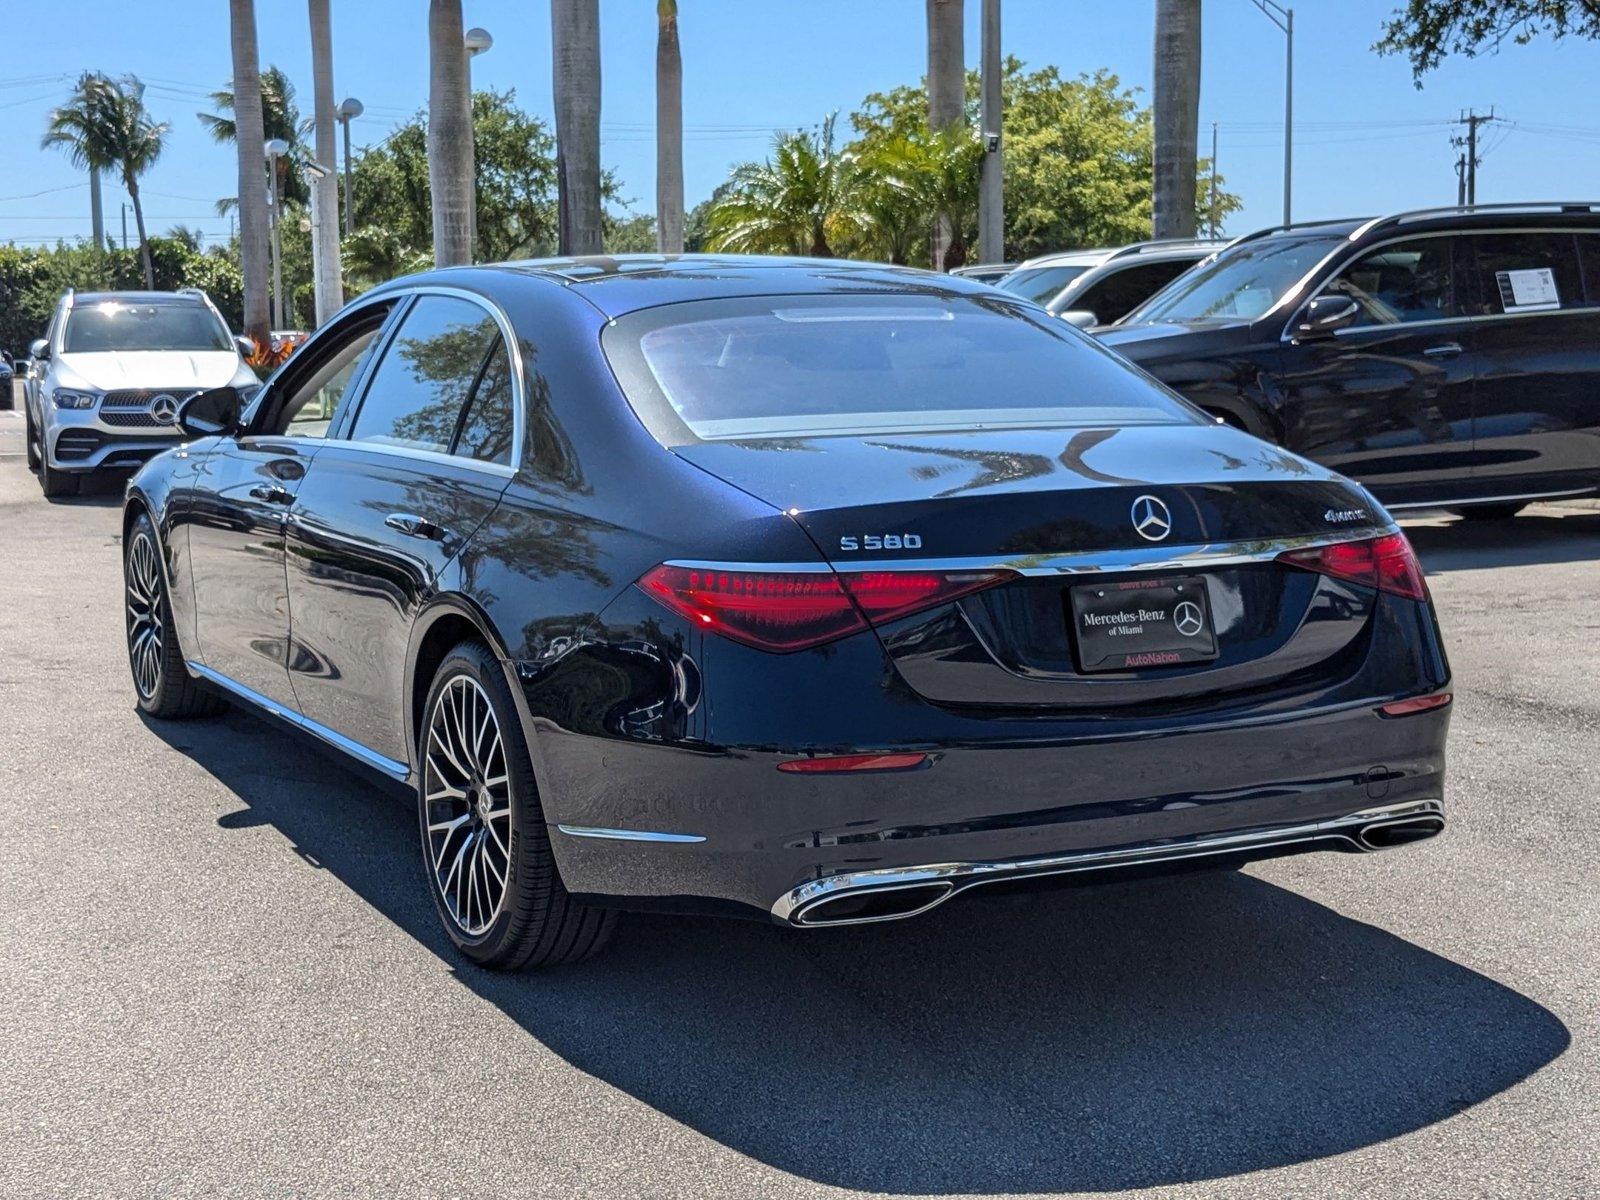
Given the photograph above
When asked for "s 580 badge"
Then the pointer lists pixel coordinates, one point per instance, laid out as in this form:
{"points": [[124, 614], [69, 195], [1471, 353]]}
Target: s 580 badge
{"points": [[881, 541]]}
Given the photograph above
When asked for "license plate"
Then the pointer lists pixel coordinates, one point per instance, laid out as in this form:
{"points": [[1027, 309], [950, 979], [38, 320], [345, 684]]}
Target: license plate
{"points": [[1142, 623]]}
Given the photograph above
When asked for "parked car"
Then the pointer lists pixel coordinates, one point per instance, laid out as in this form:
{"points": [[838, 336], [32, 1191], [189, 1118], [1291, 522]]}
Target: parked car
{"points": [[1125, 279], [7, 375], [1444, 358], [812, 591], [985, 272], [110, 374]]}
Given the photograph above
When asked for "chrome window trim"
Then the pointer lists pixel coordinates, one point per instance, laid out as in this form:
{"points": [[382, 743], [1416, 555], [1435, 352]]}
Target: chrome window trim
{"points": [[389, 766], [1084, 562], [384, 450], [519, 402], [628, 835], [1362, 251], [1413, 505]]}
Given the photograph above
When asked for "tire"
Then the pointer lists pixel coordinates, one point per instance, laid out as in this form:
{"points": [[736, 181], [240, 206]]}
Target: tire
{"points": [[1489, 512], [161, 682], [474, 826], [32, 439], [56, 483]]}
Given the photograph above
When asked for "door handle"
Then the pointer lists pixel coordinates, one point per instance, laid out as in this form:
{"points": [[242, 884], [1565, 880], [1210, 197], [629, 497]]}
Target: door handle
{"points": [[1443, 350], [415, 526], [272, 493]]}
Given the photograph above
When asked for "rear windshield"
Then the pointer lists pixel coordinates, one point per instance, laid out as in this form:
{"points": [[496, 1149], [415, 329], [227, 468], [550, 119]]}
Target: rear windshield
{"points": [[1240, 284], [814, 366], [114, 325]]}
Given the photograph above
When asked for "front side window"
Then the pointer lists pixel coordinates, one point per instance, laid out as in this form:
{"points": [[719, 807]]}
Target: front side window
{"points": [[422, 383], [1240, 284], [114, 325], [1114, 296], [311, 409], [1526, 272], [1040, 283], [1401, 283], [777, 367]]}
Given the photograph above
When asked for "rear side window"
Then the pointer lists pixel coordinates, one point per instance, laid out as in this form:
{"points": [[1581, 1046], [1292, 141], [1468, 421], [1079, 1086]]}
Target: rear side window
{"points": [[1402, 282], [421, 385], [812, 366], [1114, 297], [1526, 272], [489, 424]]}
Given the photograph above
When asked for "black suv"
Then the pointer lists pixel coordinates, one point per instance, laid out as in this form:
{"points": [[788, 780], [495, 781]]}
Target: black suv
{"points": [[1444, 358]]}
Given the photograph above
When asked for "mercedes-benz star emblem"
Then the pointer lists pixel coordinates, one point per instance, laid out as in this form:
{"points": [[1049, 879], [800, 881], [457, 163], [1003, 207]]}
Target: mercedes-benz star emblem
{"points": [[1151, 519], [1187, 618], [164, 409]]}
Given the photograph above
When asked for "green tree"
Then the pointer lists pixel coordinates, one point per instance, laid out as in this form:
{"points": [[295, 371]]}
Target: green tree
{"points": [[1425, 31], [633, 234], [792, 203], [280, 118], [105, 126]]}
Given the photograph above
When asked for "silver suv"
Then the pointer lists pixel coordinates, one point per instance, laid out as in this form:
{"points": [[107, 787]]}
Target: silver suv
{"points": [[110, 374]]}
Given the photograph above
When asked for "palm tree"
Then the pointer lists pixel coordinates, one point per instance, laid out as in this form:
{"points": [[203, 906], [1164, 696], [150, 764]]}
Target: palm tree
{"points": [[250, 138], [105, 126], [575, 46], [669, 130], [1177, 115], [947, 100], [792, 203], [280, 118], [910, 183], [450, 181], [329, 287]]}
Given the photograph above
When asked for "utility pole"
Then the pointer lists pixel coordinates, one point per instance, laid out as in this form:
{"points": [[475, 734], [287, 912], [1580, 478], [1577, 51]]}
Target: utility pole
{"points": [[1215, 225], [1283, 18], [991, 183], [1472, 119], [1461, 180], [124, 226]]}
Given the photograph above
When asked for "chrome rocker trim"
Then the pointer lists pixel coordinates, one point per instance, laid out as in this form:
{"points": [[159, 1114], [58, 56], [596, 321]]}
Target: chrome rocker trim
{"points": [[371, 758], [944, 880], [627, 835]]}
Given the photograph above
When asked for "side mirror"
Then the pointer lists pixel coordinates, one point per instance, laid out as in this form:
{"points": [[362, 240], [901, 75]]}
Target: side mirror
{"points": [[246, 346], [39, 348], [210, 413], [1079, 318], [1326, 315]]}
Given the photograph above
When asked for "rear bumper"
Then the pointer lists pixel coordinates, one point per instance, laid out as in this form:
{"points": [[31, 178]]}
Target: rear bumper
{"points": [[652, 825]]}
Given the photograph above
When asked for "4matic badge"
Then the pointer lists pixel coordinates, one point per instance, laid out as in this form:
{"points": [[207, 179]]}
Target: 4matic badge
{"points": [[1343, 516]]}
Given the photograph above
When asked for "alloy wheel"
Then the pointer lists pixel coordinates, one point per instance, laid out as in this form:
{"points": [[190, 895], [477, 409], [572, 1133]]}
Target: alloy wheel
{"points": [[467, 799], [146, 630]]}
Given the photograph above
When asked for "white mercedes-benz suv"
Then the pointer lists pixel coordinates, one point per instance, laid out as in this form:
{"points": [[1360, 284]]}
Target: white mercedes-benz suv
{"points": [[112, 370]]}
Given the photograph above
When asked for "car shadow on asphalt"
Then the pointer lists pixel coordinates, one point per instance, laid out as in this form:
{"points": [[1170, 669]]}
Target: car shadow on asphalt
{"points": [[1098, 1039], [1528, 539]]}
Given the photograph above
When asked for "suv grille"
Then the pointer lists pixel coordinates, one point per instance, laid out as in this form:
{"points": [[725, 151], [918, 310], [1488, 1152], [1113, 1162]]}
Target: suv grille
{"points": [[130, 407]]}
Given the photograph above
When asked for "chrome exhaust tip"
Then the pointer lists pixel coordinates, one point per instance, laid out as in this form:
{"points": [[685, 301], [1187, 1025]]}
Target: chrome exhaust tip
{"points": [[1386, 835], [862, 906]]}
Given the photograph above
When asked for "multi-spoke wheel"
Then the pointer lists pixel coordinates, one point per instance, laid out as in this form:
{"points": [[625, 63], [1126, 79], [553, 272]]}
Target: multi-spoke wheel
{"points": [[468, 797], [163, 684], [145, 626], [490, 869]]}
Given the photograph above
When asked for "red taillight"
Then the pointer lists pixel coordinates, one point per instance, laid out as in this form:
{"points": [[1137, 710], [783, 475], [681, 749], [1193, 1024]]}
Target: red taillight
{"points": [[853, 762], [1387, 563], [1416, 704], [782, 611]]}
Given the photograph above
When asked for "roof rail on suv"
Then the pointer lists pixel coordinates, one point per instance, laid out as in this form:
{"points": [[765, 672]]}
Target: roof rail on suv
{"points": [[1155, 244], [1524, 206]]}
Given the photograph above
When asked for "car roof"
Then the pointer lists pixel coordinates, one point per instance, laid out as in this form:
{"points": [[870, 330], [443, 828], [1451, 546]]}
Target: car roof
{"points": [[1526, 214], [139, 297], [623, 283]]}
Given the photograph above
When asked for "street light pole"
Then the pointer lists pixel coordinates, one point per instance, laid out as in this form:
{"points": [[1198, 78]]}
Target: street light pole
{"points": [[1283, 18], [276, 148], [475, 41], [348, 111]]}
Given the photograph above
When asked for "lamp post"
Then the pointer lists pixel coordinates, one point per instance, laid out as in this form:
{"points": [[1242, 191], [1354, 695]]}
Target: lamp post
{"points": [[275, 149], [348, 111], [475, 41], [1283, 18]]}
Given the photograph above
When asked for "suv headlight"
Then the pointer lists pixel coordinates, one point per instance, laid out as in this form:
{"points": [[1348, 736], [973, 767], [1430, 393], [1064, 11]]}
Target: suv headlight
{"points": [[64, 398]]}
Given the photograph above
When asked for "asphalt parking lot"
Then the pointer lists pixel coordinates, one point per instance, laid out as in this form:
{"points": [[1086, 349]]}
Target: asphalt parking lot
{"points": [[222, 975]]}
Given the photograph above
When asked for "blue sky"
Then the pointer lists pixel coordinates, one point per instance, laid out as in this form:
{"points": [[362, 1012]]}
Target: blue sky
{"points": [[1367, 139]]}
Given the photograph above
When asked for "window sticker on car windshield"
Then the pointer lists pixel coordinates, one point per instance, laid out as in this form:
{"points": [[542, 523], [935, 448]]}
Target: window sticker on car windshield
{"points": [[1528, 291]]}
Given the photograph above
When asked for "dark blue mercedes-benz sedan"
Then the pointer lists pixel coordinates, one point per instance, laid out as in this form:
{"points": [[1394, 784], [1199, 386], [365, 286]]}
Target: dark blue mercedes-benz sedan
{"points": [[809, 590]]}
